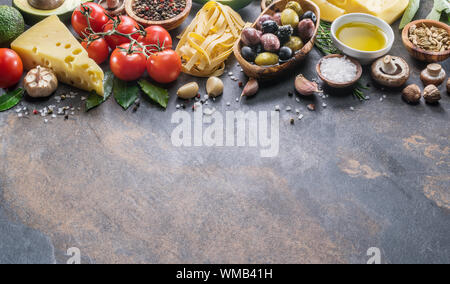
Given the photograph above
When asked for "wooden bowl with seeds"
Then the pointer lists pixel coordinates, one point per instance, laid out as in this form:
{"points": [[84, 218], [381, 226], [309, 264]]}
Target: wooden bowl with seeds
{"points": [[420, 53], [168, 24], [338, 85]]}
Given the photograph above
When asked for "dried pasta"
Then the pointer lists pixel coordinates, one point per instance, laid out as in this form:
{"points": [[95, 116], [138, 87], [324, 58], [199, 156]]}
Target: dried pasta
{"points": [[208, 40]]}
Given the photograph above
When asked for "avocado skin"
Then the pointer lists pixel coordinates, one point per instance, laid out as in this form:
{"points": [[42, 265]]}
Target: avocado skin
{"points": [[12, 25]]}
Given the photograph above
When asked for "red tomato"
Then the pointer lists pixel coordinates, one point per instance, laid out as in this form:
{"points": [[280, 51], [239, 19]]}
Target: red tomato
{"points": [[98, 50], [127, 26], [156, 35], [97, 19], [165, 66], [127, 67], [11, 68]]}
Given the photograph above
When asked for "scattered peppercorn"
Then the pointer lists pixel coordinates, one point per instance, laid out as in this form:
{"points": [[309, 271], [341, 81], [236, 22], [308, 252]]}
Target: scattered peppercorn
{"points": [[292, 121]]}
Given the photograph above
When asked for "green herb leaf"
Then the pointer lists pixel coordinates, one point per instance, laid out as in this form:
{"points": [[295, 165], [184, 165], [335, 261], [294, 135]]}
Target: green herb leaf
{"points": [[156, 94], [324, 42], [11, 99], [410, 12], [125, 93], [95, 100]]}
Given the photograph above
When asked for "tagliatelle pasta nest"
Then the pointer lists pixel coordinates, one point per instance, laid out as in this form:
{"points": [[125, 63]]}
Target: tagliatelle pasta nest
{"points": [[208, 40]]}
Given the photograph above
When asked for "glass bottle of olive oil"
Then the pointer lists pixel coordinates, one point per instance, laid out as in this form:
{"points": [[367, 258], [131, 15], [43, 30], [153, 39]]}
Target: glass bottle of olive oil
{"points": [[362, 36]]}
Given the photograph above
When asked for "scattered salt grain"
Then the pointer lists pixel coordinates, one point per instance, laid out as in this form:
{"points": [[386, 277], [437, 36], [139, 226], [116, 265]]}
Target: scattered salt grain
{"points": [[352, 108], [277, 108], [338, 69], [300, 117], [288, 108]]}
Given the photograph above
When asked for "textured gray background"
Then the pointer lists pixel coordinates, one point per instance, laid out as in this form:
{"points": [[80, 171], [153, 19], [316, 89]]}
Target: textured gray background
{"points": [[110, 182]]}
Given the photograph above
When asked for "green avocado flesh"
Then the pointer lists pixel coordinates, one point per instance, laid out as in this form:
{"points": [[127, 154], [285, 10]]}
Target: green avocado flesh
{"points": [[11, 25], [33, 15]]}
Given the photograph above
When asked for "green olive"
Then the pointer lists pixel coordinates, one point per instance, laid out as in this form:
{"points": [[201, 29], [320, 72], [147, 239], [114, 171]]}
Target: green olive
{"points": [[266, 59], [295, 6], [295, 43], [290, 17]]}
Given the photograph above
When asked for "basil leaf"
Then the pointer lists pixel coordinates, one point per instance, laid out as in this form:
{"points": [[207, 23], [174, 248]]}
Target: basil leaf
{"points": [[11, 99], [95, 100], [156, 94], [410, 12], [125, 93]]}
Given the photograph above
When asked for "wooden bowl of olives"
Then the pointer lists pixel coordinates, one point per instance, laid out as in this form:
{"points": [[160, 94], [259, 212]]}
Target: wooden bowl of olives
{"points": [[279, 39]]}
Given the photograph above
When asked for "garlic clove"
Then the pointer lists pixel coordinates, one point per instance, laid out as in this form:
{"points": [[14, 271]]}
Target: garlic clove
{"points": [[214, 87], [306, 87], [251, 88]]}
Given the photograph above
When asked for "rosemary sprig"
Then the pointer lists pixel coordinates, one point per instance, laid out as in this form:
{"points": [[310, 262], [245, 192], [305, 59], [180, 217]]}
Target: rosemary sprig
{"points": [[324, 42], [358, 91]]}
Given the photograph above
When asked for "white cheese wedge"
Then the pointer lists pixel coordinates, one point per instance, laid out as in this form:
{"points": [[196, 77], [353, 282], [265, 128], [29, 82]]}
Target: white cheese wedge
{"points": [[49, 43]]}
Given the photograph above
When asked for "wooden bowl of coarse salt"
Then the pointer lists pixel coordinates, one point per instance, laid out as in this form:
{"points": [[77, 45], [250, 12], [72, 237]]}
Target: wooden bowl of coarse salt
{"points": [[339, 71]]}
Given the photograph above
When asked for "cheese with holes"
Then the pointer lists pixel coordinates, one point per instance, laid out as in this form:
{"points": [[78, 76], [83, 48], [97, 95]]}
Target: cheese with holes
{"points": [[388, 10], [49, 43]]}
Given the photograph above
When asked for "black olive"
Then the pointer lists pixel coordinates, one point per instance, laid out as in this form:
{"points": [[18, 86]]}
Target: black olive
{"points": [[248, 53], [285, 53], [310, 15], [269, 27], [258, 49], [284, 33]]}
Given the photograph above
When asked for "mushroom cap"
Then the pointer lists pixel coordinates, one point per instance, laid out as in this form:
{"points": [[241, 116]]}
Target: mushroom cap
{"points": [[397, 78]]}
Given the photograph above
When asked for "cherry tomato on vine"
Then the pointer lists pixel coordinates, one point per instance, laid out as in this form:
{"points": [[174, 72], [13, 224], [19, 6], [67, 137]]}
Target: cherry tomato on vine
{"points": [[97, 19], [156, 35], [164, 66], [127, 26], [127, 66], [11, 68], [98, 50]]}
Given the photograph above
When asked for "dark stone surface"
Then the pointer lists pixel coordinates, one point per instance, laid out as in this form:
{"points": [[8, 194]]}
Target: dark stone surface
{"points": [[110, 182]]}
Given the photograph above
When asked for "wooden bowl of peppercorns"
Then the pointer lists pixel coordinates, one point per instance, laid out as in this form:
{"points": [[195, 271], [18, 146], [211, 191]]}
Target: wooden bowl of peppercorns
{"points": [[166, 13]]}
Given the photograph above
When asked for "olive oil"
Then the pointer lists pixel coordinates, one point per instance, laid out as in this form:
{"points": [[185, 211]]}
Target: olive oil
{"points": [[362, 36]]}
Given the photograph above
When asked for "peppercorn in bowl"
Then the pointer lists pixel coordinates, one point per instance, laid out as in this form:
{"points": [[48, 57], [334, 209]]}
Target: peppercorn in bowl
{"points": [[169, 14], [279, 39]]}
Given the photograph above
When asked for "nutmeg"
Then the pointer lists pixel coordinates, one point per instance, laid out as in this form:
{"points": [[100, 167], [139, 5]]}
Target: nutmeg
{"points": [[412, 94], [431, 94]]}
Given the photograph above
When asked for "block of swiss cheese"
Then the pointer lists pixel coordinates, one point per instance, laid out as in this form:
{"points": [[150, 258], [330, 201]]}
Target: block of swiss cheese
{"points": [[49, 43]]}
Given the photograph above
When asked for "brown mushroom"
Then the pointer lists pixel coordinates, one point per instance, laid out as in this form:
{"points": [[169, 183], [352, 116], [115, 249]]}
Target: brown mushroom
{"points": [[390, 71], [431, 94], [45, 4], [40, 82], [448, 86], [434, 74], [412, 94]]}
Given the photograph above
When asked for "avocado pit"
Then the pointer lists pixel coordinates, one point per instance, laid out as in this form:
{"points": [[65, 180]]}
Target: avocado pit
{"points": [[45, 4]]}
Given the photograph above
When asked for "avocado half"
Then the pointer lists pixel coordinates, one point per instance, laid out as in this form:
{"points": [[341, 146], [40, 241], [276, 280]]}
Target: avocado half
{"points": [[32, 15]]}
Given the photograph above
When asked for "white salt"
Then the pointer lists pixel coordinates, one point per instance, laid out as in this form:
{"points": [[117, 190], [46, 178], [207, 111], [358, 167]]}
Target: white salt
{"points": [[338, 69]]}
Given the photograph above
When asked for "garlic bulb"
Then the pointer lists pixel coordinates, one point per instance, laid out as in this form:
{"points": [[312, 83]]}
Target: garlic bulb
{"points": [[40, 82]]}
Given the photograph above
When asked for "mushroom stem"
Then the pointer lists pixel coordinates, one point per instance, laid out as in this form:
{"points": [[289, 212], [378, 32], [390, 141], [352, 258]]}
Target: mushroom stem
{"points": [[434, 69], [388, 66]]}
